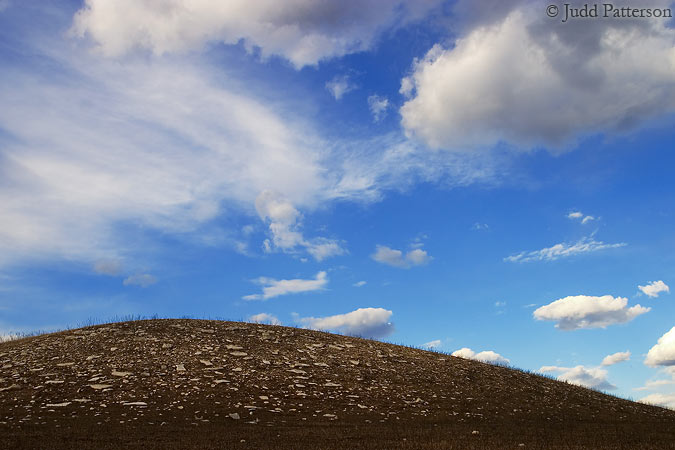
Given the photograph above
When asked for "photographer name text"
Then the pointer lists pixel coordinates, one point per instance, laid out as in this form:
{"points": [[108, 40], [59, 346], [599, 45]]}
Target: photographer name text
{"points": [[604, 10]]}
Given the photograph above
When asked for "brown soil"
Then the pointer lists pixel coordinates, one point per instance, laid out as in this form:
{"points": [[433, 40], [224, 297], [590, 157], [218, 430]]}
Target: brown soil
{"points": [[163, 384]]}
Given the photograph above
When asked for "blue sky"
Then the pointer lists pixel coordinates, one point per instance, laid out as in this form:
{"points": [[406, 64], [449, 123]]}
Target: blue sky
{"points": [[472, 176]]}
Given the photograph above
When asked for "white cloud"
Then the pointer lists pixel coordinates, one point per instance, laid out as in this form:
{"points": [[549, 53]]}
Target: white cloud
{"points": [[378, 107], [142, 279], [264, 318], [577, 215], [339, 86], [563, 250], [663, 353], [592, 377], [274, 288], [395, 258], [667, 400], [360, 283], [178, 146], [585, 311], [302, 31], [615, 358], [102, 159], [108, 267], [432, 344], [284, 226], [480, 226], [655, 384], [516, 76], [485, 356], [366, 322], [654, 288]]}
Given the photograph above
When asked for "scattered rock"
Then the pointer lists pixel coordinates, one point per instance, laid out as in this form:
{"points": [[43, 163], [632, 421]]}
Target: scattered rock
{"points": [[11, 388], [120, 374]]}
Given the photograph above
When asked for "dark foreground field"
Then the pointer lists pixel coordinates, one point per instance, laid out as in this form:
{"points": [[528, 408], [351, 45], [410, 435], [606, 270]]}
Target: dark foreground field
{"points": [[163, 384]]}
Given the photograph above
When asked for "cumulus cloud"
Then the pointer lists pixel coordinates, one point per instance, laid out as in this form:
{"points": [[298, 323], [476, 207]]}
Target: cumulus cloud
{"points": [[432, 344], [562, 250], [264, 318], [108, 267], [378, 107], [142, 279], [284, 226], [592, 377], [654, 288], [366, 322], [302, 31], [516, 76], [615, 358], [339, 86], [667, 400], [663, 353], [274, 288], [485, 356], [586, 311], [395, 258]]}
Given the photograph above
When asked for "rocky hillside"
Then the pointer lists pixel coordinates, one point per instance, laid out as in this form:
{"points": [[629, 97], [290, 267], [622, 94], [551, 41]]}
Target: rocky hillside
{"points": [[213, 384]]}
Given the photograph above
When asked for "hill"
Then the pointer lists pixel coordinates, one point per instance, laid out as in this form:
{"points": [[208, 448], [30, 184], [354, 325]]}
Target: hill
{"points": [[211, 384]]}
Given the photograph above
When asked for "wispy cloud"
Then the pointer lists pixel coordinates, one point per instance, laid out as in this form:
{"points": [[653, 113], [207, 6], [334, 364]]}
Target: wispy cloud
{"points": [[274, 288], [142, 279], [360, 283], [108, 267], [339, 86], [562, 250], [395, 258], [378, 107], [366, 322], [578, 215], [586, 311], [655, 384]]}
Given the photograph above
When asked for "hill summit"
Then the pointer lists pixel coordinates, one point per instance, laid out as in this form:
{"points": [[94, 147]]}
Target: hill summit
{"points": [[189, 383]]}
